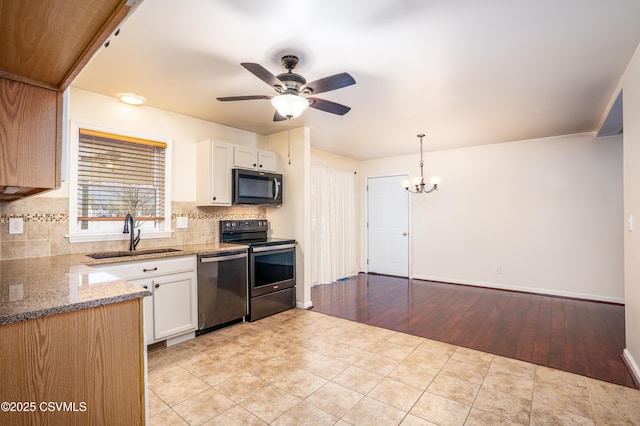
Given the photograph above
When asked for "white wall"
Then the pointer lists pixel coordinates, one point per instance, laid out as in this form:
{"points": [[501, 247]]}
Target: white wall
{"points": [[293, 218], [185, 132], [546, 211], [630, 86]]}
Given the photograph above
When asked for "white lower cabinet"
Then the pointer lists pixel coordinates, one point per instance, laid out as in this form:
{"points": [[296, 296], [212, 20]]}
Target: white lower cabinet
{"points": [[172, 310], [175, 306]]}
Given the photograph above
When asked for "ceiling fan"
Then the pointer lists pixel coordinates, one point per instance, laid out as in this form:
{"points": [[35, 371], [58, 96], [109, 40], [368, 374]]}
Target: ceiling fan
{"points": [[293, 89]]}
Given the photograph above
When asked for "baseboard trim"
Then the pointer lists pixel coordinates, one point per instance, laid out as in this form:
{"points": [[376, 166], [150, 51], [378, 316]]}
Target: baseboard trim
{"points": [[304, 305], [631, 366], [179, 339], [546, 292]]}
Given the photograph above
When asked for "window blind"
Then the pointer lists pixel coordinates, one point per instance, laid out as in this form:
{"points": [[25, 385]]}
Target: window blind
{"points": [[119, 175]]}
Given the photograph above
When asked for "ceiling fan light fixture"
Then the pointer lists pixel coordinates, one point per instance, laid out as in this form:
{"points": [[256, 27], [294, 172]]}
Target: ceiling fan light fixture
{"points": [[288, 105]]}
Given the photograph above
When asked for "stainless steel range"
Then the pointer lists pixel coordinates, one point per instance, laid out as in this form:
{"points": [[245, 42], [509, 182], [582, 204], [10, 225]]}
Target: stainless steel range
{"points": [[272, 266]]}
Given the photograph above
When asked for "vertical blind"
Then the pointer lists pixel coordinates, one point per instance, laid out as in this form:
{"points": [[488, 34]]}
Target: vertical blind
{"points": [[119, 175]]}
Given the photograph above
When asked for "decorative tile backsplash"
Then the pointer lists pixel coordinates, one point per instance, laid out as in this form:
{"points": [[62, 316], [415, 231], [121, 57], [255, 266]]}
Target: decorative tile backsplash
{"points": [[46, 222], [38, 217]]}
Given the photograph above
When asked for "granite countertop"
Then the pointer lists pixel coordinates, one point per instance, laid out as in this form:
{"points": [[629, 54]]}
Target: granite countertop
{"points": [[42, 286]]}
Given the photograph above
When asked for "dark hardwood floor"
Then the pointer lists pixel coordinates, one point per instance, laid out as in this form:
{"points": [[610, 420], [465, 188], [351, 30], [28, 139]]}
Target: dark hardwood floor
{"points": [[582, 337]]}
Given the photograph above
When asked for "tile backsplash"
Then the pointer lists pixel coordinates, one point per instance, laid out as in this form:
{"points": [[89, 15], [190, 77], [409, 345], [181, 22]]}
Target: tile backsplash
{"points": [[46, 222]]}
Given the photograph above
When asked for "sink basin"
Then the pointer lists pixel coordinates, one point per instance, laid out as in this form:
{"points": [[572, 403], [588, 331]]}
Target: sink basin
{"points": [[110, 254]]}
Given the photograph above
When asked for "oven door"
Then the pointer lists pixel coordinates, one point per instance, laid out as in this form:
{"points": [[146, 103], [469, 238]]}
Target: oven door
{"points": [[272, 268]]}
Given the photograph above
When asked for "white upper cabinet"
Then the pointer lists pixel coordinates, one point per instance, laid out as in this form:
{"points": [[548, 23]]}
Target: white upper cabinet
{"points": [[254, 159], [267, 161], [213, 173]]}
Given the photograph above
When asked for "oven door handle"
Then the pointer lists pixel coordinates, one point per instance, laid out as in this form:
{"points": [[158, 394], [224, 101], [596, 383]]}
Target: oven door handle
{"points": [[275, 183], [273, 248], [222, 258]]}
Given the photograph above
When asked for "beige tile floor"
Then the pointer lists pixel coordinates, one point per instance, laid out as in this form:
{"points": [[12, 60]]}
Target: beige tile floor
{"points": [[306, 368]]}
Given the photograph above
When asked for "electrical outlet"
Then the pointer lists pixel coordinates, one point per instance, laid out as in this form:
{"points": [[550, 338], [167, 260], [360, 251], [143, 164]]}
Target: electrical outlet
{"points": [[182, 222], [498, 270], [16, 225]]}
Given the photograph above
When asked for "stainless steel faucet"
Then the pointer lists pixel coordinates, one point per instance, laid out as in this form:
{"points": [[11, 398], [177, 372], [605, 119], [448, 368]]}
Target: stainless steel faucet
{"points": [[133, 242]]}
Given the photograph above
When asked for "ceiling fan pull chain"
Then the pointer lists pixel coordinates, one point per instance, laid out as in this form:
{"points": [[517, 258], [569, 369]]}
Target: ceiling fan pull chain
{"points": [[289, 139]]}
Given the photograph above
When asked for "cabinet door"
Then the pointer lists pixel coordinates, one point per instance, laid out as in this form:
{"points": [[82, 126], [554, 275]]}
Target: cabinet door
{"points": [[267, 161], [175, 308], [29, 154], [220, 174], [147, 308], [244, 158]]}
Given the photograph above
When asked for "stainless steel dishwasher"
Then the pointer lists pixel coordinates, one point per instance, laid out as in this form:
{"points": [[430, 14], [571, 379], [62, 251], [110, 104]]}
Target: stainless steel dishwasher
{"points": [[222, 288]]}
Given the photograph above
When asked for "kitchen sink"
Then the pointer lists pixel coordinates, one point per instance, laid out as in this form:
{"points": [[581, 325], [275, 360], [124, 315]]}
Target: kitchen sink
{"points": [[111, 254]]}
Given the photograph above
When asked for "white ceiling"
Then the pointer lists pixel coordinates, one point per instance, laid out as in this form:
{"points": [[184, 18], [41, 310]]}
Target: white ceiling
{"points": [[465, 72]]}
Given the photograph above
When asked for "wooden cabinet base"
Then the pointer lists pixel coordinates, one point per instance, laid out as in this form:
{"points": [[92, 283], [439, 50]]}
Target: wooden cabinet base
{"points": [[77, 368]]}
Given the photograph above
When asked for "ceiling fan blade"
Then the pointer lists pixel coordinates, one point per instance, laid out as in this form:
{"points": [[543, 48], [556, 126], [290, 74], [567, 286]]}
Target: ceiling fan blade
{"points": [[243, 98], [278, 117], [263, 74], [328, 106], [332, 82]]}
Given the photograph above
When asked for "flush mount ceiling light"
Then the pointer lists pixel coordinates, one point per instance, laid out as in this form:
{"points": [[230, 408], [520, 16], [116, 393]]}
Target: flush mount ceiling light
{"points": [[418, 181], [131, 99], [288, 105]]}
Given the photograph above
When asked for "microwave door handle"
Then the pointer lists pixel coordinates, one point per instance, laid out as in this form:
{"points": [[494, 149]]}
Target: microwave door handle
{"points": [[275, 183]]}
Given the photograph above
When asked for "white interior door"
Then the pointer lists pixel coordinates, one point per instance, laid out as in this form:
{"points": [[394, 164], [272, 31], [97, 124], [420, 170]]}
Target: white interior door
{"points": [[388, 226]]}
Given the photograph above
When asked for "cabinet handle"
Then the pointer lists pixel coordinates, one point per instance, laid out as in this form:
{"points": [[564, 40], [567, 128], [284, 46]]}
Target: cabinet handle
{"points": [[260, 165], [254, 164], [150, 270], [157, 285], [214, 198], [145, 287]]}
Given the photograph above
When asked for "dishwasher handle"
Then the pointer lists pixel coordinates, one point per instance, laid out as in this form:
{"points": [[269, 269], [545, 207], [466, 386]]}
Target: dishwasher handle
{"points": [[209, 259]]}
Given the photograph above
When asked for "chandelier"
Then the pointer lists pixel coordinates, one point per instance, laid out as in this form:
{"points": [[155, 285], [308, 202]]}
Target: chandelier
{"points": [[418, 181]]}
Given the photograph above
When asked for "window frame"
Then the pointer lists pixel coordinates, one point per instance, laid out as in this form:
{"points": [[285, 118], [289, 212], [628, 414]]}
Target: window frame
{"points": [[77, 235]]}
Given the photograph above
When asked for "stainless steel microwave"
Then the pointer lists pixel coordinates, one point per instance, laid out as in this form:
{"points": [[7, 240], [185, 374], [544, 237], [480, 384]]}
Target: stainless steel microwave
{"points": [[256, 187]]}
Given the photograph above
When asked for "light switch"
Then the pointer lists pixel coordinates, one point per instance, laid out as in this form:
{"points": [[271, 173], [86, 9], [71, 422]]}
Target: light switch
{"points": [[16, 225]]}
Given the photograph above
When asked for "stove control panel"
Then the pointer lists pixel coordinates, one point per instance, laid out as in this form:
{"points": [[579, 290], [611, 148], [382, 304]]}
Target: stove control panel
{"points": [[234, 226]]}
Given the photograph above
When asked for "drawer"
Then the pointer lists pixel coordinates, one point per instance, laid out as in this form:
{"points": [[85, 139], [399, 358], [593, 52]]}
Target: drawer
{"points": [[150, 268]]}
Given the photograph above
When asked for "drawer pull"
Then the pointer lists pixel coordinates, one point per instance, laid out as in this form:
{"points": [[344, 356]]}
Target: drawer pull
{"points": [[150, 270], [157, 285], [275, 286]]}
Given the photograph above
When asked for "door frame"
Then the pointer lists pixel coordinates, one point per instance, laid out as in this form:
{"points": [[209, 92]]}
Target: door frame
{"points": [[401, 176]]}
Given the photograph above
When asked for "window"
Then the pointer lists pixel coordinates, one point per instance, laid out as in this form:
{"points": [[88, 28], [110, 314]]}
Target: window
{"points": [[117, 174]]}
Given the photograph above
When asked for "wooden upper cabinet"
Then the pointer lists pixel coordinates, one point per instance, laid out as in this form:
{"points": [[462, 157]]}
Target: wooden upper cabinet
{"points": [[45, 45], [29, 156], [49, 42]]}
